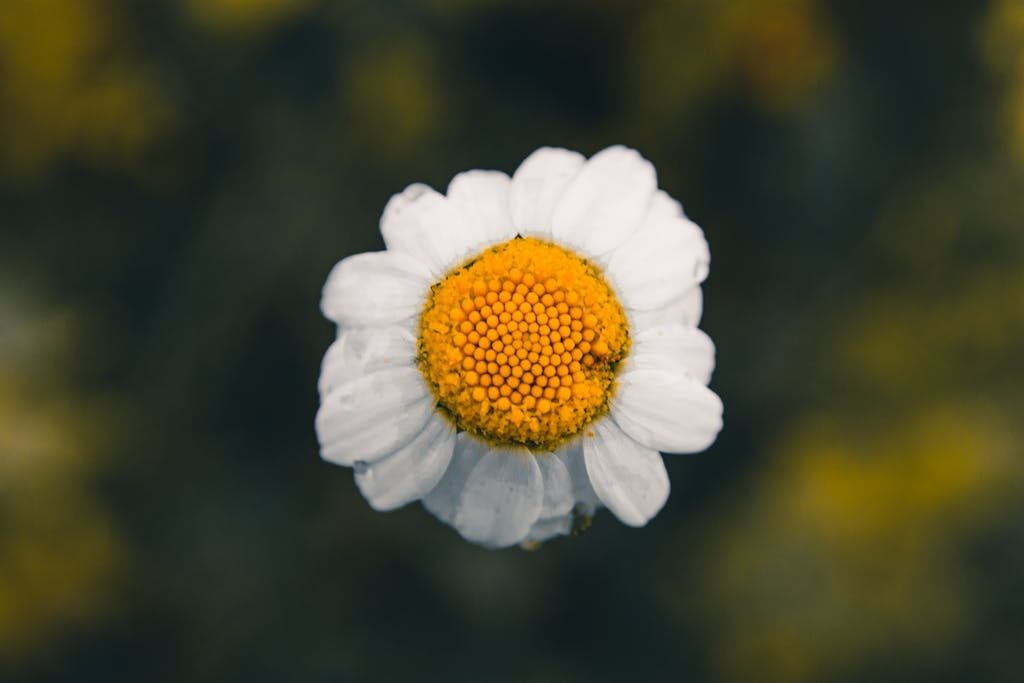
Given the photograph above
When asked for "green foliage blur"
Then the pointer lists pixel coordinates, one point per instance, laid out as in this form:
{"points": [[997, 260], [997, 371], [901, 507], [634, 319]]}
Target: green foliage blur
{"points": [[177, 178]]}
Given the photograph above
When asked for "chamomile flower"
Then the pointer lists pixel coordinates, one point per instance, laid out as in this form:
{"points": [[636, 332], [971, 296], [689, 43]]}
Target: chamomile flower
{"points": [[524, 350]]}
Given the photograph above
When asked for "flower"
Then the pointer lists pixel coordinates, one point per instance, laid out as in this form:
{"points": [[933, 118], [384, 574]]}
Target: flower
{"points": [[523, 349]]}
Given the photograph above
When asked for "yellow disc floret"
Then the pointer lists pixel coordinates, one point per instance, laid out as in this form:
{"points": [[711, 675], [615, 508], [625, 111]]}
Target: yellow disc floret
{"points": [[521, 344]]}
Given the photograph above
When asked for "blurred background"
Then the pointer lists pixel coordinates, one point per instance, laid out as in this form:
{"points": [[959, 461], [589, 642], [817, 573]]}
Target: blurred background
{"points": [[177, 178]]}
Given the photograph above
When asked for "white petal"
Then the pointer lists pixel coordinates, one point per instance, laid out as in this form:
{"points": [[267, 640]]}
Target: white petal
{"points": [[421, 223], [558, 498], [584, 501], [674, 348], [546, 528], [412, 471], [482, 200], [373, 415], [362, 350], [666, 257], [492, 497], [629, 478], [686, 310], [606, 201], [502, 499], [538, 184], [667, 411], [375, 288], [444, 500], [584, 497]]}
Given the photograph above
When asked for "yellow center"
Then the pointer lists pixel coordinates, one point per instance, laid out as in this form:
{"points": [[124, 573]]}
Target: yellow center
{"points": [[521, 344]]}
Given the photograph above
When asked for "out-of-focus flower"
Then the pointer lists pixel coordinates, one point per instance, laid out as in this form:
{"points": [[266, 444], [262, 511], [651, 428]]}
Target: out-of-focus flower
{"points": [[1004, 47], [486, 365], [72, 88], [847, 548], [946, 248], [243, 16], [784, 49], [58, 549], [393, 96], [684, 52]]}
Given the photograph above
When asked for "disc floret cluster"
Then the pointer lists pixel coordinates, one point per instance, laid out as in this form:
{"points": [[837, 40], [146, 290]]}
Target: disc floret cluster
{"points": [[521, 344]]}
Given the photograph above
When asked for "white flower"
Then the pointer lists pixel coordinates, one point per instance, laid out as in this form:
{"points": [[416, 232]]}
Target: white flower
{"points": [[523, 350]]}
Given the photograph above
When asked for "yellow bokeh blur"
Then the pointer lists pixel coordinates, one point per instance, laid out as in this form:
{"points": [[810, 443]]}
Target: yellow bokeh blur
{"points": [[73, 89], [59, 551], [243, 16], [846, 547], [1003, 43], [394, 95], [778, 52]]}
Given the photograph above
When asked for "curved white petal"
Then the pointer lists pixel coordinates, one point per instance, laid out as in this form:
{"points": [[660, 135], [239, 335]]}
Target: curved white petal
{"points": [[546, 528], [502, 499], [606, 201], [482, 200], [667, 411], [557, 520], [375, 288], [686, 310], [412, 471], [629, 478], [558, 487], [674, 348], [444, 500], [492, 497], [585, 499], [369, 416], [421, 223], [666, 257], [538, 184], [363, 350]]}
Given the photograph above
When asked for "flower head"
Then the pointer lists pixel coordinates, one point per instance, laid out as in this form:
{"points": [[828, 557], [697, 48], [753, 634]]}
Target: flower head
{"points": [[523, 350]]}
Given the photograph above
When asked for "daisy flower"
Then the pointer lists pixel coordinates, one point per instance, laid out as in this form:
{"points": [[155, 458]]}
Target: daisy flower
{"points": [[524, 350]]}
